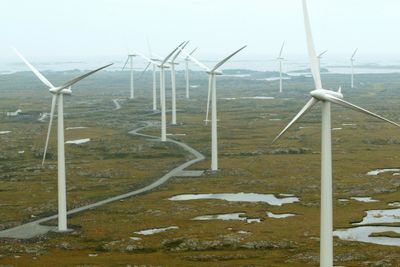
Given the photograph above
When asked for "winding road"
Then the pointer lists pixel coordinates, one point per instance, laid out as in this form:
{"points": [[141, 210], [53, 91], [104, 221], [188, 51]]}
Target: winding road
{"points": [[34, 228]]}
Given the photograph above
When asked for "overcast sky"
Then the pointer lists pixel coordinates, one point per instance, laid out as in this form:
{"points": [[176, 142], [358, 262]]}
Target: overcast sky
{"points": [[85, 29]]}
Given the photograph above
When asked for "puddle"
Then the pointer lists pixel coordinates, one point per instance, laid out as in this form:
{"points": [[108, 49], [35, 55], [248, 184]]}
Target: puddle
{"points": [[349, 124], [75, 128], [194, 86], [177, 134], [224, 217], [5, 132], [275, 119], [21, 152], [240, 216], [239, 197], [134, 238], [43, 116], [336, 129], [78, 141], [279, 216], [364, 199], [306, 127], [156, 230], [379, 171], [253, 220], [381, 216], [343, 200], [362, 234], [394, 204]]}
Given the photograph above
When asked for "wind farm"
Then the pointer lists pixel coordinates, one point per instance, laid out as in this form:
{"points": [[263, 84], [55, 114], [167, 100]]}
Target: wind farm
{"points": [[190, 152]]}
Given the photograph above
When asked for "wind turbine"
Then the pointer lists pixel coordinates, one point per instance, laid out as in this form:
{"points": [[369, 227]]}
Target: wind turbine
{"points": [[326, 97], [207, 70], [352, 67], [280, 59], [187, 59], [173, 82], [57, 97], [212, 90], [130, 59], [319, 58], [162, 67], [154, 59]]}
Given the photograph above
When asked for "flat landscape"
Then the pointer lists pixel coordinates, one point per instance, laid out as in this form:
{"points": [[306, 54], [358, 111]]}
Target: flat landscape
{"points": [[262, 208]]}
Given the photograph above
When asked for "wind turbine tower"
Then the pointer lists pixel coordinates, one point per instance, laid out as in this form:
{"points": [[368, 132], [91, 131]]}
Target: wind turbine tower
{"points": [[130, 60], [58, 93], [326, 97], [280, 59], [352, 59]]}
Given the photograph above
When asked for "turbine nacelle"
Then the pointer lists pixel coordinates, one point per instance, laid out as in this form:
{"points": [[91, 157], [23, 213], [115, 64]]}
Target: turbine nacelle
{"points": [[215, 72], [323, 94], [64, 91]]}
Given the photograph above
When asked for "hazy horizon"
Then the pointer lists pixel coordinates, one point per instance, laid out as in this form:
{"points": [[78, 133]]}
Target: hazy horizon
{"points": [[104, 30]]}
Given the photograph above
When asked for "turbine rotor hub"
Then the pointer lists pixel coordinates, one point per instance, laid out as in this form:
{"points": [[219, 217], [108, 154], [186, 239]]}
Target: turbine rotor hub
{"points": [[320, 94]]}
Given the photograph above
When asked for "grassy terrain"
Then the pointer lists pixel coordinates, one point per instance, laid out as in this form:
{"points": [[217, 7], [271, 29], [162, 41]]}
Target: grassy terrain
{"points": [[115, 162]]}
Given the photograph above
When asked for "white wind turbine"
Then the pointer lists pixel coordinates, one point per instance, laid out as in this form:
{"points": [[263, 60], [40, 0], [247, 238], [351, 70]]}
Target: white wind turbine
{"points": [[173, 82], [57, 97], [187, 59], [280, 59], [162, 67], [154, 59], [326, 97], [352, 59], [212, 91], [130, 60], [320, 57]]}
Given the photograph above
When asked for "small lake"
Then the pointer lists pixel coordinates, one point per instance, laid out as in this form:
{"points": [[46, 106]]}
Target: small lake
{"points": [[279, 216], [156, 230], [364, 199], [362, 234], [379, 171], [381, 216], [78, 141], [271, 199]]}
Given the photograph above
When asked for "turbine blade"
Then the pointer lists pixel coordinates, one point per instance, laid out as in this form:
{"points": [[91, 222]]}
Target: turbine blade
{"points": [[280, 53], [303, 111], [194, 50], [126, 62], [346, 104], [179, 51], [311, 49], [227, 58], [145, 58], [145, 69], [34, 70], [210, 81], [53, 104], [355, 51], [323, 53], [198, 63], [73, 81], [170, 54]]}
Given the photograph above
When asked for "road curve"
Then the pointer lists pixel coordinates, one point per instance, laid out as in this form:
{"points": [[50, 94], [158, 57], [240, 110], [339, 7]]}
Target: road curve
{"points": [[34, 228]]}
